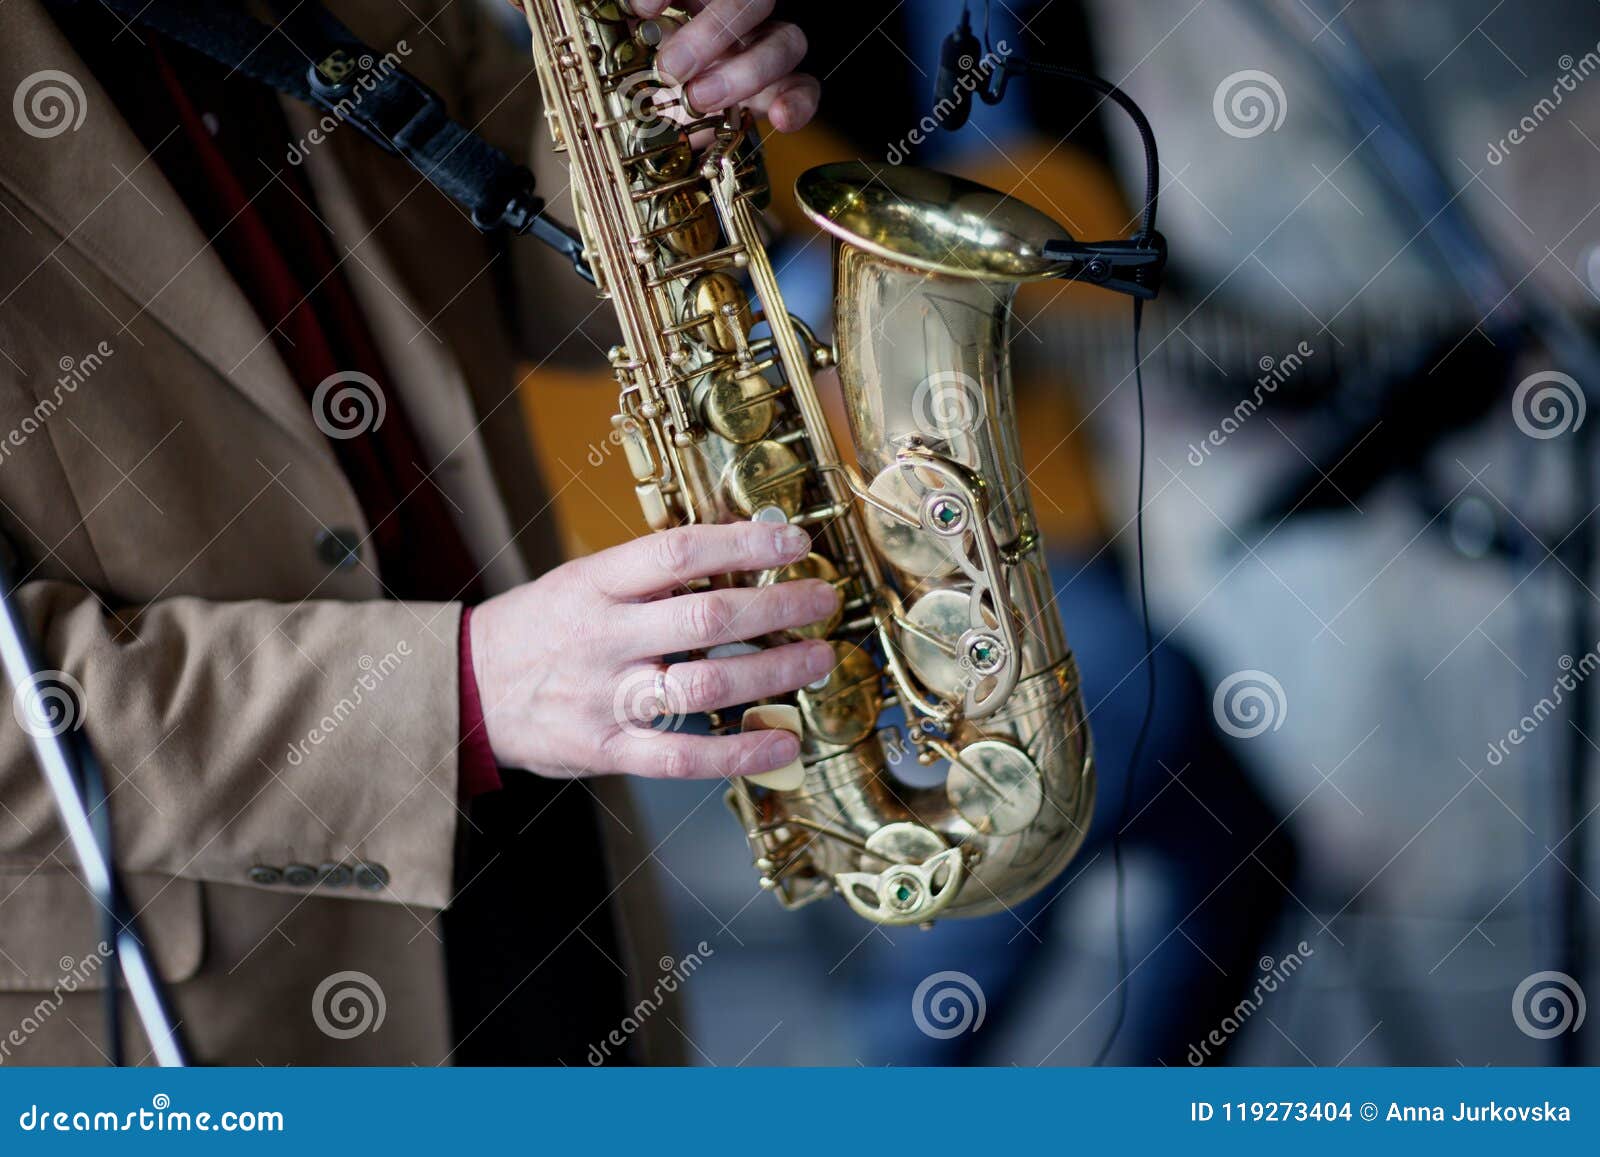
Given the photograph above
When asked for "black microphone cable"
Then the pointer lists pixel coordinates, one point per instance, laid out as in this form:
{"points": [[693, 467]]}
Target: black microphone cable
{"points": [[962, 45]]}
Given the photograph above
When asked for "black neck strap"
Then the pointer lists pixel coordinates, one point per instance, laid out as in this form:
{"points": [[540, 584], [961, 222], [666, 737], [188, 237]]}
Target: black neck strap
{"points": [[312, 57]]}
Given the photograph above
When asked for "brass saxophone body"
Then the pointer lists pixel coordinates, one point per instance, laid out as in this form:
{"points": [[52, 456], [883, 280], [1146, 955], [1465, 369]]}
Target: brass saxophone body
{"points": [[949, 648]]}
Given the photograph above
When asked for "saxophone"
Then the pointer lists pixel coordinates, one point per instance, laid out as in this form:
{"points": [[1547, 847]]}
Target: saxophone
{"points": [[949, 648]]}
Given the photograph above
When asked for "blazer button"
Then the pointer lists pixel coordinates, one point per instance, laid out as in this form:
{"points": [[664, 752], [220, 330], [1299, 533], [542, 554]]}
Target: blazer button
{"points": [[371, 877], [300, 875], [262, 874], [334, 875], [338, 547]]}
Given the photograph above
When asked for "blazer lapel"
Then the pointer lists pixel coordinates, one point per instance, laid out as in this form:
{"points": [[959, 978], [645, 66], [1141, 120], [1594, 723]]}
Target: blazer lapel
{"points": [[96, 186]]}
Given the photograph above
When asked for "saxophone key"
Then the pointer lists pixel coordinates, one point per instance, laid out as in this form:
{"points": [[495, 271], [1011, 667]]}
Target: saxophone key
{"points": [[741, 407], [993, 785], [894, 525], [686, 223], [845, 708], [929, 638], [767, 474], [704, 300]]}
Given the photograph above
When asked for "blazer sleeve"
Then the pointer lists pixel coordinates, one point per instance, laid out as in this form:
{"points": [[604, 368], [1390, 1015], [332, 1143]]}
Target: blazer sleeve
{"points": [[244, 737]]}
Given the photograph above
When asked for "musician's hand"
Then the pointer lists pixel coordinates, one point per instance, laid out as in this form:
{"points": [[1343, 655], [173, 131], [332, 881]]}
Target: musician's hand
{"points": [[569, 666], [730, 52]]}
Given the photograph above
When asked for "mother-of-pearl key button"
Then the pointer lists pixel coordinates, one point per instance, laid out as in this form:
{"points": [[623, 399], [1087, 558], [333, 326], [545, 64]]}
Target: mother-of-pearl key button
{"points": [[776, 717]]}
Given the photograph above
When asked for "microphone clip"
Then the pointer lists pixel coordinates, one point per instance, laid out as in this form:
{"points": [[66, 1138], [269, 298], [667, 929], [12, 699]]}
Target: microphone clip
{"points": [[1133, 266]]}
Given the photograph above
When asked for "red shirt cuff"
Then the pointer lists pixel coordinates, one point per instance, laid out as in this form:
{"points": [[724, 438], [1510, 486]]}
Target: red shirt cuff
{"points": [[478, 771]]}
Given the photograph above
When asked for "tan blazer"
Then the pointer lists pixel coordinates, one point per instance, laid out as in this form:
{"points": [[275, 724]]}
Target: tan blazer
{"points": [[255, 706]]}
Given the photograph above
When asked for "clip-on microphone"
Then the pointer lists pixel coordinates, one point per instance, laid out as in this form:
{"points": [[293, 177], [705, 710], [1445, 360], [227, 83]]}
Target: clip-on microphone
{"points": [[1134, 265]]}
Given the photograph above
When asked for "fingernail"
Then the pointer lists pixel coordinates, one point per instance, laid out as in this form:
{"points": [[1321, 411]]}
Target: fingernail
{"points": [[676, 59], [792, 540], [781, 750], [823, 600], [819, 660], [707, 92]]}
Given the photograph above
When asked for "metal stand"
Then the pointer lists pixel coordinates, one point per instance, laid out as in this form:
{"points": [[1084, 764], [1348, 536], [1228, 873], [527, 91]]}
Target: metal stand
{"points": [[78, 784]]}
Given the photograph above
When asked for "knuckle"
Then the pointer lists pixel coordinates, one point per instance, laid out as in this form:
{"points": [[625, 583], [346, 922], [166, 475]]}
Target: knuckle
{"points": [[608, 752], [755, 544], [789, 607], [705, 617], [674, 762], [674, 551], [706, 686], [580, 575]]}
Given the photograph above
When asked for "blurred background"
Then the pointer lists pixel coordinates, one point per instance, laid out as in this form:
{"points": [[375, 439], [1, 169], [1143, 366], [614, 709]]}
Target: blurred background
{"points": [[1362, 829]]}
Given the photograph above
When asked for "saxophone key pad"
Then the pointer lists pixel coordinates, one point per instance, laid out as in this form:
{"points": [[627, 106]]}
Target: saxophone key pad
{"points": [[908, 546], [995, 786], [843, 706], [941, 620], [767, 473], [739, 407]]}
